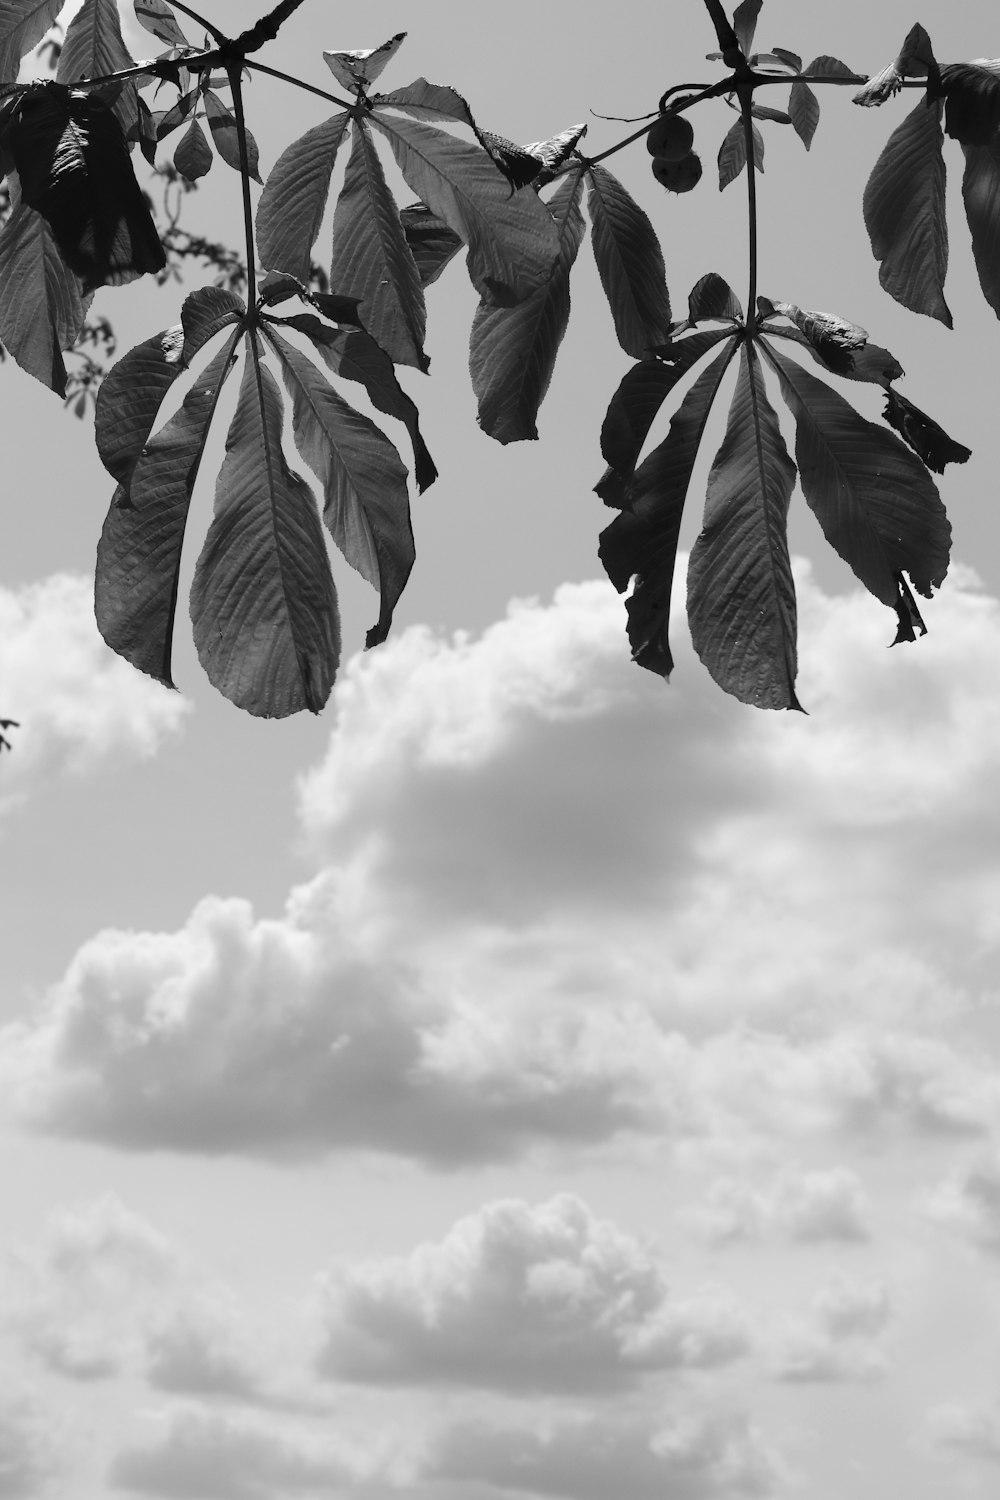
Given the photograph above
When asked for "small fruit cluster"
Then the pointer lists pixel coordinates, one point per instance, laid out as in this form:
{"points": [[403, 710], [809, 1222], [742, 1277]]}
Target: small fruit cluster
{"points": [[669, 142]]}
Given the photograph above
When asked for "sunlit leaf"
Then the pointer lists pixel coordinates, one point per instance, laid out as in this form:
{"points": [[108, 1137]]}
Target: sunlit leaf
{"points": [[741, 598], [365, 502], [371, 259], [93, 47], [511, 239], [512, 350], [23, 23], [981, 193], [192, 154], [157, 17], [745, 23], [292, 205], [733, 154], [630, 264], [225, 134], [921, 433], [139, 553], [642, 543], [834, 339], [904, 205], [42, 309], [803, 106], [263, 604], [877, 505], [358, 69]]}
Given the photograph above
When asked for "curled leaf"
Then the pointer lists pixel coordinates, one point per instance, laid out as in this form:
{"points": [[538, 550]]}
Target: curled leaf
{"points": [[357, 69], [927, 439], [972, 103], [916, 59], [834, 339]]}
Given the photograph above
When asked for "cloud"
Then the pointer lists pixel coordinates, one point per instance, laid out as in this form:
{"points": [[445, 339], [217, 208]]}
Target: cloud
{"points": [[838, 1339], [202, 1452], [594, 1457], [30, 1446], [76, 702], [515, 1298], [972, 1428], [968, 1201], [557, 902], [809, 1206]]}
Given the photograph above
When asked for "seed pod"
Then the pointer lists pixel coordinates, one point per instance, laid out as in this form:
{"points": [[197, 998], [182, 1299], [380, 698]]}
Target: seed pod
{"points": [[678, 176], [670, 137]]}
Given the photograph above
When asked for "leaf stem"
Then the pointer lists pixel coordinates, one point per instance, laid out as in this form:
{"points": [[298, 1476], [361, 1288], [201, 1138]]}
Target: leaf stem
{"points": [[234, 71], [746, 99], [299, 83], [193, 15]]}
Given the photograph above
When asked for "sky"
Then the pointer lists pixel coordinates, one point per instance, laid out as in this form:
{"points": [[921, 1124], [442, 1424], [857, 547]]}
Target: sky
{"points": [[526, 1080]]}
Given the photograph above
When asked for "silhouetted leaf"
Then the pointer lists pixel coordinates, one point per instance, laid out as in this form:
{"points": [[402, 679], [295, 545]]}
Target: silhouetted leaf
{"points": [[356, 356], [741, 598], [803, 106], [635, 404], [263, 604], [139, 553], [630, 264], [74, 168], [157, 17], [432, 244], [225, 134], [293, 202], [642, 543], [371, 259], [23, 23], [192, 154], [42, 310], [904, 206], [981, 193], [512, 350], [972, 103], [713, 297], [363, 66], [365, 502], [877, 505], [170, 119], [511, 239], [922, 434]]}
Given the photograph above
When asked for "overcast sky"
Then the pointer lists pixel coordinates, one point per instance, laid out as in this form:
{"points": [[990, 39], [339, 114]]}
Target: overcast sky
{"points": [[526, 1079]]}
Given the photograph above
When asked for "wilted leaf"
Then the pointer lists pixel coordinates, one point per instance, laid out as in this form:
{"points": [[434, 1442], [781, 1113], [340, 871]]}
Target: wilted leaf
{"points": [[292, 205], [981, 192], [432, 244], [741, 598], [139, 553], [511, 239], [877, 505], [371, 259], [904, 205], [225, 134], [630, 264], [922, 434], [192, 154], [74, 168], [366, 506], [512, 350], [803, 106], [23, 23], [869, 363], [916, 58], [642, 543], [263, 604], [42, 310], [835, 340], [357, 69], [635, 404], [157, 17]]}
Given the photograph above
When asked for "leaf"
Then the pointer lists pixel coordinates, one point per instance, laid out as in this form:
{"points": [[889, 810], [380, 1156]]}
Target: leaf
{"points": [[877, 505], [192, 154], [225, 133], [513, 350], [157, 17], [733, 154], [133, 390], [263, 604], [916, 59], [356, 356], [745, 23], [293, 203], [741, 598], [825, 66], [358, 69], [921, 433], [635, 405], [42, 311], [713, 297], [372, 261], [972, 103], [511, 239], [92, 47], [904, 206], [834, 340], [366, 506], [139, 553], [791, 59], [432, 244], [981, 193], [74, 168], [642, 543], [23, 23], [630, 264], [803, 106], [171, 118], [765, 112], [871, 363]]}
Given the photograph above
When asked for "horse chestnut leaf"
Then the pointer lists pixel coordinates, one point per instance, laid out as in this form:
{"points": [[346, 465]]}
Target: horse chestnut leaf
{"points": [[678, 176], [670, 137]]}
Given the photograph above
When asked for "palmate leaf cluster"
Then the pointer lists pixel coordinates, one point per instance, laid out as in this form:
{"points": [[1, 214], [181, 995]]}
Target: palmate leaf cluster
{"points": [[263, 603]]}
